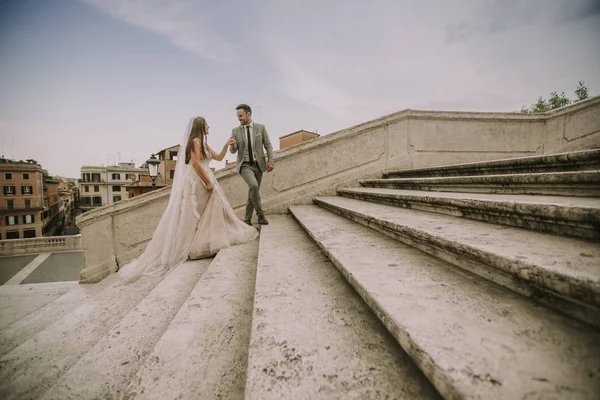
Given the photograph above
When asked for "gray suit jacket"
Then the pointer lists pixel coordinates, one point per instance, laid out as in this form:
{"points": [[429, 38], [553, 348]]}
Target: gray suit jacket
{"points": [[261, 143]]}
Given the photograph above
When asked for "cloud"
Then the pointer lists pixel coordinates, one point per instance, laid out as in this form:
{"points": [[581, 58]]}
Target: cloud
{"points": [[188, 25], [357, 62]]}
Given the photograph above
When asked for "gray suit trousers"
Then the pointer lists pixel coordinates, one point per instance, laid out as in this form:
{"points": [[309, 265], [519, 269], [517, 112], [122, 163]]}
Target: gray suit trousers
{"points": [[252, 175]]}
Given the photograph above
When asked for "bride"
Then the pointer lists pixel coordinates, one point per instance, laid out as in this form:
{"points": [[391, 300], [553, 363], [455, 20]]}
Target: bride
{"points": [[198, 221]]}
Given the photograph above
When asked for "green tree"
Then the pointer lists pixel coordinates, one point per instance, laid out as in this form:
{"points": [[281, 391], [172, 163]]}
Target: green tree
{"points": [[581, 92], [556, 100]]}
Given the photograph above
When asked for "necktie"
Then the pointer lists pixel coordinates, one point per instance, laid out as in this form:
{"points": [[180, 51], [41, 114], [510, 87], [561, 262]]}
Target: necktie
{"points": [[249, 144]]}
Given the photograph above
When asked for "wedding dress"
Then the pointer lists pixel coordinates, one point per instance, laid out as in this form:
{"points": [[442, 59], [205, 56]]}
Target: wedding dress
{"points": [[195, 224]]}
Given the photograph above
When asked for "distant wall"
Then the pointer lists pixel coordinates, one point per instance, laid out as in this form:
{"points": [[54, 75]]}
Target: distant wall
{"points": [[115, 234], [14, 247]]}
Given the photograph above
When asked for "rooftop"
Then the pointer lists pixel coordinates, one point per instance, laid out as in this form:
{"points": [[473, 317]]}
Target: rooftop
{"points": [[300, 131]]}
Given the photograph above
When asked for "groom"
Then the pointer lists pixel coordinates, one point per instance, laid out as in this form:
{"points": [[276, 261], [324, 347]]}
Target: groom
{"points": [[251, 139]]}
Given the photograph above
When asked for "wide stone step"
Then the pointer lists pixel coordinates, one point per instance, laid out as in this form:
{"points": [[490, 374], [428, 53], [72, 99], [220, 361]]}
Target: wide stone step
{"points": [[22, 330], [34, 366], [581, 183], [203, 353], [117, 357], [472, 338], [312, 335], [560, 162], [560, 272], [568, 216], [18, 301]]}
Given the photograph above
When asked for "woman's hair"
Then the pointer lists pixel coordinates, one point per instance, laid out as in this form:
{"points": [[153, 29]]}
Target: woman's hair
{"points": [[198, 131]]}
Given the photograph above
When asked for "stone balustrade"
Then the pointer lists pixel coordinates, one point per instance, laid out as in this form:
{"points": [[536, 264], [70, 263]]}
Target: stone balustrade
{"points": [[14, 247], [115, 234]]}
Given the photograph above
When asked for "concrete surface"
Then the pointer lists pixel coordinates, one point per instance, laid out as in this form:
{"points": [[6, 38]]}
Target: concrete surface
{"points": [[312, 336], [112, 363], [41, 317], [22, 275], [203, 353], [560, 271], [579, 183], [58, 267], [473, 339], [10, 266], [560, 215]]}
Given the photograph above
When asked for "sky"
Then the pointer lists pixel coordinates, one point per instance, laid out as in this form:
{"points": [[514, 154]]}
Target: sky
{"points": [[94, 82]]}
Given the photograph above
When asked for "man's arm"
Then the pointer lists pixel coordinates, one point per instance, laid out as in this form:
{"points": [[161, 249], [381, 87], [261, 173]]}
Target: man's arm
{"points": [[269, 148], [233, 148]]}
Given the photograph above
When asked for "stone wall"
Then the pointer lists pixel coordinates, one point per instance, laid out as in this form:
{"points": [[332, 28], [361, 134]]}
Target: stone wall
{"points": [[115, 234], [15, 247]]}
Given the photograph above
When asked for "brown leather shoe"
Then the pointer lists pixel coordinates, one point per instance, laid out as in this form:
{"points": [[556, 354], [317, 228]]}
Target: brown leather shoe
{"points": [[262, 220]]}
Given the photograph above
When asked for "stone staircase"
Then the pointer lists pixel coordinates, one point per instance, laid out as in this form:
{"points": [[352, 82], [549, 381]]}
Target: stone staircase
{"points": [[475, 281]]}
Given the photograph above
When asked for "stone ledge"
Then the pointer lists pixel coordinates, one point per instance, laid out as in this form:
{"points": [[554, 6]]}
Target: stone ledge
{"points": [[467, 342], [579, 183], [571, 161], [560, 272], [576, 217]]}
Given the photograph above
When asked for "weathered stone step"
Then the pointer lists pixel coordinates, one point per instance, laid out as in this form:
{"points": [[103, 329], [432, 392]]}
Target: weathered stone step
{"points": [[116, 358], [34, 366], [312, 336], [560, 272], [581, 183], [568, 216], [203, 353], [17, 301], [22, 330], [560, 162], [472, 338]]}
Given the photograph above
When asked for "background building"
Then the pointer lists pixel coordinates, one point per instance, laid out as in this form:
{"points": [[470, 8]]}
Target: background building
{"points": [[100, 186], [22, 201], [295, 138], [168, 160]]}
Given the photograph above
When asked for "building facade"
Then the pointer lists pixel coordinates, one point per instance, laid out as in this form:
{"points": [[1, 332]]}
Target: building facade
{"points": [[22, 201], [100, 186], [168, 160]]}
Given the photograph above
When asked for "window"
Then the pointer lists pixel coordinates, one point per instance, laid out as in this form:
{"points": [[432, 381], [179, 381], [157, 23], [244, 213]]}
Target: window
{"points": [[86, 188], [29, 233], [96, 188], [26, 189], [131, 194], [173, 155], [11, 220], [27, 203], [8, 175], [10, 204], [12, 235], [116, 199], [28, 219], [116, 177], [25, 177], [96, 178], [86, 201], [116, 188], [9, 190], [97, 201], [172, 173]]}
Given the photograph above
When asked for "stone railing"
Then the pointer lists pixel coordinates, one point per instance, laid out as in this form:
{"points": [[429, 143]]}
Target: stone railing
{"points": [[115, 234], [13, 247]]}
